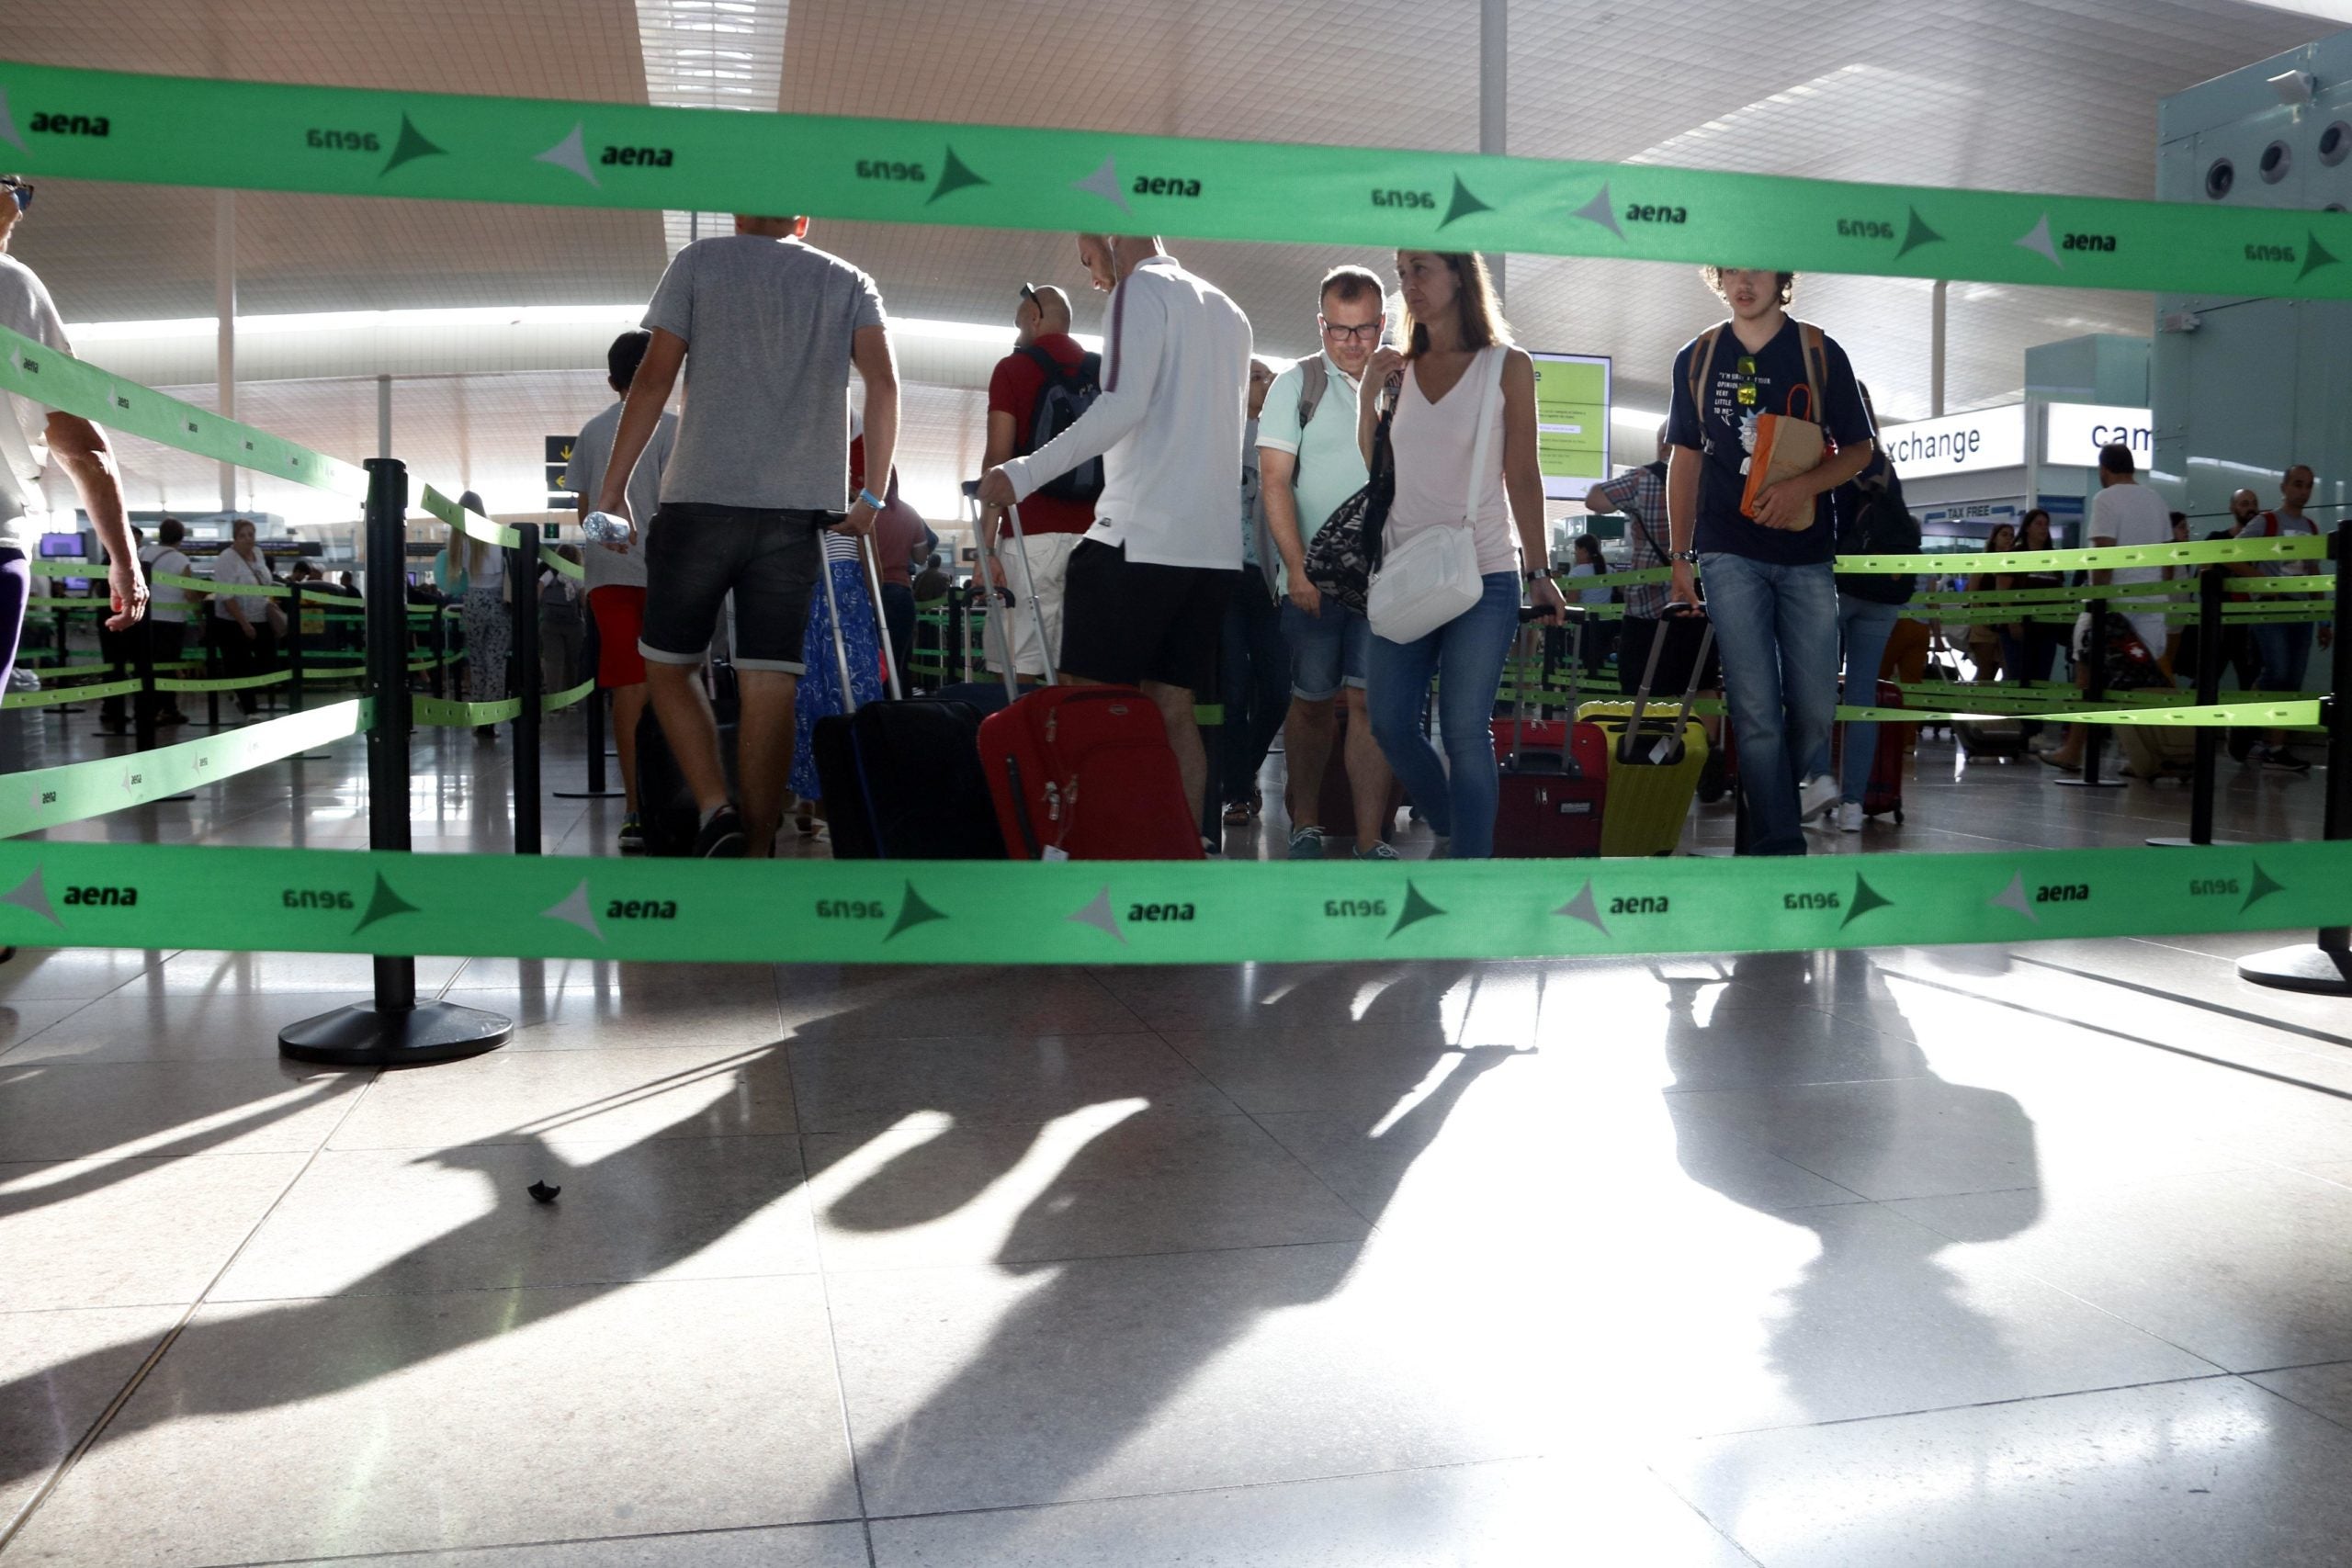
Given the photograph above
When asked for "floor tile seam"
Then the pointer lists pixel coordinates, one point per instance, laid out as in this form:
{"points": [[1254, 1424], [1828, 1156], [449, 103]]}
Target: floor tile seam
{"points": [[1225, 1095], [2241, 1015], [617, 1142], [1372, 1222], [171, 1336], [985, 1510], [80, 1006], [424, 1551], [606, 1287], [825, 1296], [1004, 1268], [2340, 1422], [1722, 1531], [2223, 1375]]}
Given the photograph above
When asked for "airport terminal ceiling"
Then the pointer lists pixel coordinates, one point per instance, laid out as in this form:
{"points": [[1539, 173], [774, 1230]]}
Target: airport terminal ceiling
{"points": [[2011, 95]]}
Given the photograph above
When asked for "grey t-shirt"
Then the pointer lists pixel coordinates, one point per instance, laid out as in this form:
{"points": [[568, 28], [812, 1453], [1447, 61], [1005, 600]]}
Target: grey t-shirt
{"points": [[767, 325], [584, 475]]}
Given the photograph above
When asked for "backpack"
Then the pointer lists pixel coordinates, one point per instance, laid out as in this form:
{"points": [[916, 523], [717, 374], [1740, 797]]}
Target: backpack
{"points": [[1817, 371], [1066, 395], [1874, 521]]}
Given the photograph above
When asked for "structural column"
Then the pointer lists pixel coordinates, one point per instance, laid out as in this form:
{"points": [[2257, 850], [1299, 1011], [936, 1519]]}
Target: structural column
{"points": [[1494, 84], [224, 307]]}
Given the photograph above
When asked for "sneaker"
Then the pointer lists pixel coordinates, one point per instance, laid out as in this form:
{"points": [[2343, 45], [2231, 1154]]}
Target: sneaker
{"points": [[1381, 850], [2243, 748], [1850, 817], [632, 835], [1817, 798], [1442, 847], [1307, 844], [722, 837], [1713, 785], [1237, 813], [2286, 759]]}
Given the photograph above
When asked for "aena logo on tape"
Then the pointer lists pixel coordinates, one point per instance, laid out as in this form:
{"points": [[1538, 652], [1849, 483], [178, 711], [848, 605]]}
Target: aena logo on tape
{"points": [[847, 909], [2213, 887], [1416, 199], [1809, 901], [2063, 893], [641, 909], [69, 124], [316, 898], [1354, 909], [640, 157], [1160, 911], [344, 141], [1864, 228], [48, 797], [2270, 253], [1646, 214], [124, 897], [885, 169], [1162, 185], [1639, 904], [2087, 243]]}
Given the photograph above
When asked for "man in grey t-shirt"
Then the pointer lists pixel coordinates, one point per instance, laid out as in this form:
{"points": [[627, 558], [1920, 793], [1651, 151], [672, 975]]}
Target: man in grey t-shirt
{"points": [[767, 329], [616, 579]]}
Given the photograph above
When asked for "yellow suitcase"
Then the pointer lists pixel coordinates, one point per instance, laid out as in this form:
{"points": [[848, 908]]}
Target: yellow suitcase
{"points": [[1648, 801]]}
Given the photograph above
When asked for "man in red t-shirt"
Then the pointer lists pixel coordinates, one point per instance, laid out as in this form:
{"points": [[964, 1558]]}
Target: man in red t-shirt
{"points": [[1051, 524]]}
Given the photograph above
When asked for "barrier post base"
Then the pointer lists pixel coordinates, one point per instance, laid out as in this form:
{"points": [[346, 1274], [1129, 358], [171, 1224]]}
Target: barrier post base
{"points": [[2087, 782], [2323, 967], [369, 1036], [2192, 843]]}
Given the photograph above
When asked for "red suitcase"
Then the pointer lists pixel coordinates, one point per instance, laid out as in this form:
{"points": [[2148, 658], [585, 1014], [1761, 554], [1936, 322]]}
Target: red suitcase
{"points": [[1882, 795], [1551, 800], [1086, 772]]}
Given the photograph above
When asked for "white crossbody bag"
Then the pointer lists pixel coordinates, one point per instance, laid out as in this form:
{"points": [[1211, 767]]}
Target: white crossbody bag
{"points": [[1434, 577]]}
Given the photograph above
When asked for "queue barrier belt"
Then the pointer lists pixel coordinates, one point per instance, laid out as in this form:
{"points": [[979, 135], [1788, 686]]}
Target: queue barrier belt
{"points": [[227, 683], [448, 713], [48, 797], [557, 563], [255, 135], [68, 695], [1140, 912], [472, 524]]}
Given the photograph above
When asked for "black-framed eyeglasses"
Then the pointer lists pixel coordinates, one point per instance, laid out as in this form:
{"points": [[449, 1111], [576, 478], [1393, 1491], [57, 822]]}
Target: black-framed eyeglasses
{"points": [[1368, 333], [19, 187]]}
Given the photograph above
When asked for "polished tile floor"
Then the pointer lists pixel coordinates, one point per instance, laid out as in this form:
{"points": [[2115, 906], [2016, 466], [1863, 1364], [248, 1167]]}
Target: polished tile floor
{"points": [[1882, 1258]]}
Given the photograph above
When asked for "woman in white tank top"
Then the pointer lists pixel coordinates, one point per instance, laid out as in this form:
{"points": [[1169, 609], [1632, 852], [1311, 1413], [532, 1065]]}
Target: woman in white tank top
{"points": [[1459, 348]]}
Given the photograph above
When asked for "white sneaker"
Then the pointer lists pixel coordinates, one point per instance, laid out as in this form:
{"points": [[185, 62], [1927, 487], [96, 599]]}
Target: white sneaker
{"points": [[1817, 797], [1850, 817]]}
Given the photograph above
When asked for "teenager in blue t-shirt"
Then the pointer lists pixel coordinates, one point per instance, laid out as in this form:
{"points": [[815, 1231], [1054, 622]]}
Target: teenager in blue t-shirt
{"points": [[1770, 589]]}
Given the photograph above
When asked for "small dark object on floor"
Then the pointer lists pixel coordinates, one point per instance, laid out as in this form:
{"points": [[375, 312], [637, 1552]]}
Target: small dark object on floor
{"points": [[541, 1192]]}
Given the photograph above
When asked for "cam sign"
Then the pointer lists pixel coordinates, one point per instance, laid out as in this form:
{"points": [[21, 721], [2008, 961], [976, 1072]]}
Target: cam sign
{"points": [[1994, 438]]}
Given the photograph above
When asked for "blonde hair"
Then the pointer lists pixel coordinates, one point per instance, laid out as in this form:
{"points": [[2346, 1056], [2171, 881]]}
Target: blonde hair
{"points": [[1482, 320]]}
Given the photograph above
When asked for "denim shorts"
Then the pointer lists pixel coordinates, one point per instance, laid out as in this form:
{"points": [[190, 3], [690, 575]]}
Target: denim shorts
{"points": [[697, 555], [1326, 651]]}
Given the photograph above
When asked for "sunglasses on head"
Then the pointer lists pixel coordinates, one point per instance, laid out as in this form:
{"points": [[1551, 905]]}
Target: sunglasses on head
{"points": [[22, 189], [1029, 293]]}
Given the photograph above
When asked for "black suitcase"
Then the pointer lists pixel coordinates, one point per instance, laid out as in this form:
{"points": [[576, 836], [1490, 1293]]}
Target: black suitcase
{"points": [[665, 806], [901, 779]]}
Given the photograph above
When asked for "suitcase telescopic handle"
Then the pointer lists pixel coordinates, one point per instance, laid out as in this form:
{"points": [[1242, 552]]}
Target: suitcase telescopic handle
{"points": [[833, 615], [869, 552], [1029, 581]]}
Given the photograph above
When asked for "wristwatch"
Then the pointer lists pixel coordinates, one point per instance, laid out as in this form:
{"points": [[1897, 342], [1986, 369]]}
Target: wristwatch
{"points": [[1689, 556]]}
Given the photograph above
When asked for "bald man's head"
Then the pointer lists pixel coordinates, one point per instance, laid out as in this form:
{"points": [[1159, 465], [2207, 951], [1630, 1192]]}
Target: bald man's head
{"points": [[1042, 312]]}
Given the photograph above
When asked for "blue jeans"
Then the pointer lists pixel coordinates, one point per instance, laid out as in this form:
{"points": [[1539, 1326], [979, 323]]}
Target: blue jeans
{"points": [[1777, 626], [1457, 793], [2284, 651], [1863, 631]]}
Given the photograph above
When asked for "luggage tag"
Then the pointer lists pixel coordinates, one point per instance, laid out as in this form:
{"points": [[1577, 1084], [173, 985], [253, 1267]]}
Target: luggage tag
{"points": [[1052, 852]]}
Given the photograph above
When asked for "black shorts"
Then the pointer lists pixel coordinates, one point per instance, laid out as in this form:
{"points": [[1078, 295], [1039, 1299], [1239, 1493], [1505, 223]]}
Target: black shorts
{"points": [[697, 555], [1126, 622]]}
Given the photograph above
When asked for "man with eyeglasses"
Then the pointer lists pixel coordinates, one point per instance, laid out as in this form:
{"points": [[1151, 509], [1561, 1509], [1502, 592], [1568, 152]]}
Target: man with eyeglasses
{"points": [[29, 434], [1309, 467], [1770, 590], [1044, 360]]}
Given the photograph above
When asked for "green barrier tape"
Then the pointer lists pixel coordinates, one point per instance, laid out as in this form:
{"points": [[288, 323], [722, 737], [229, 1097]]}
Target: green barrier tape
{"points": [[68, 695], [1129, 912], [223, 590], [49, 798], [344, 141], [472, 524], [2197, 552], [563, 700], [60, 381], [549, 558], [228, 683], [448, 713], [2267, 715]]}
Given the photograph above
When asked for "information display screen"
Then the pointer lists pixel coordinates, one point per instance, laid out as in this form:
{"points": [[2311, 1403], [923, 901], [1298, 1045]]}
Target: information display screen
{"points": [[1571, 422]]}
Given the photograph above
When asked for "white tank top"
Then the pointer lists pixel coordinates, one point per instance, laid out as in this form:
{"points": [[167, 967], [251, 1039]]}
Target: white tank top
{"points": [[1433, 444]]}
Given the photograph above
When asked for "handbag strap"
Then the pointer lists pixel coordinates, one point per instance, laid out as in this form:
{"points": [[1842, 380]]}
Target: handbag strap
{"points": [[1482, 444]]}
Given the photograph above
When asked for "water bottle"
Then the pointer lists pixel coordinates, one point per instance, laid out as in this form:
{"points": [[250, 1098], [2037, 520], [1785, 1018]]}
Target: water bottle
{"points": [[604, 528]]}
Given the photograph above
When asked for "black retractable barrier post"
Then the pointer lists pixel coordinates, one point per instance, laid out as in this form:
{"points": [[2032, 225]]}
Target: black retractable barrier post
{"points": [[439, 646], [595, 790], [2095, 735], [2209, 692], [523, 606], [2325, 965], [393, 1029]]}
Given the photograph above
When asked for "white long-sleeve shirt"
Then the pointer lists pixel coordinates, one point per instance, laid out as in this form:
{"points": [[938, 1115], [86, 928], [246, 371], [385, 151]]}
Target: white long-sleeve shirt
{"points": [[1167, 426]]}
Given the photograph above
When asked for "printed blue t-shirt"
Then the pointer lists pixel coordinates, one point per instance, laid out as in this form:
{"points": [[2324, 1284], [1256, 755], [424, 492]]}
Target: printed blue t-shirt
{"points": [[1727, 434]]}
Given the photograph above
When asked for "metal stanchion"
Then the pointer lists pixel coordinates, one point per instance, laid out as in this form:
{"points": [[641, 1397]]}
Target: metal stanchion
{"points": [[439, 648], [393, 1029], [595, 790], [294, 648], [212, 668], [2095, 735], [523, 606], [2325, 965], [2209, 692]]}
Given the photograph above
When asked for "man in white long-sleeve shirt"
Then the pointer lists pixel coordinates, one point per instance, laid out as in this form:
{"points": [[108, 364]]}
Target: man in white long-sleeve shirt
{"points": [[1147, 587]]}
